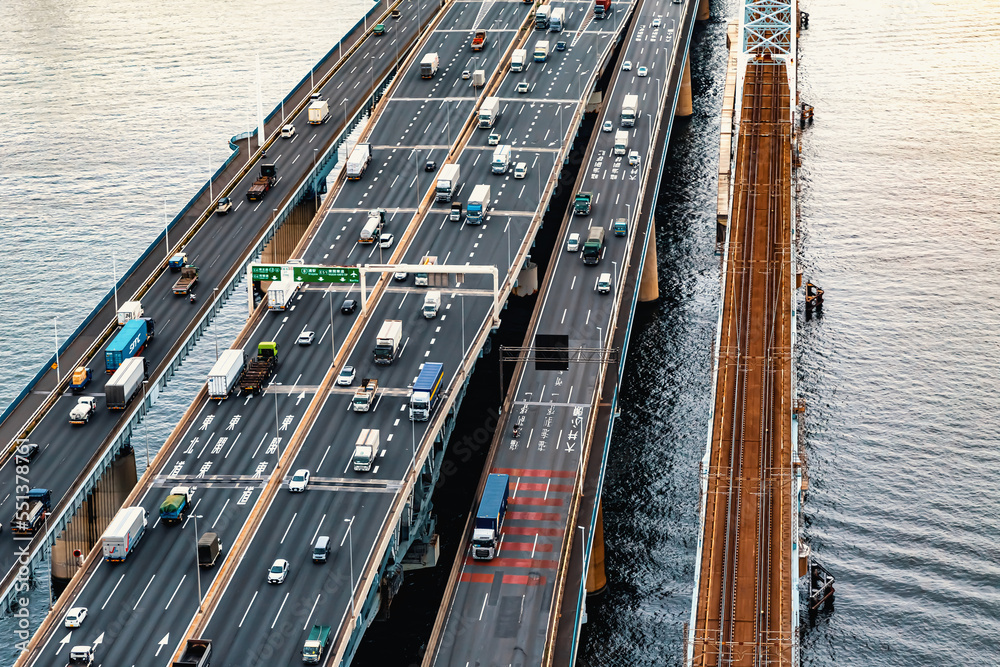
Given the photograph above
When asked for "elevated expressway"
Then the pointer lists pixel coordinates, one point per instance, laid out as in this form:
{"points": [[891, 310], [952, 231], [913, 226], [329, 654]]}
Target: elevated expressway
{"points": [[239, 452], [72, 459]]}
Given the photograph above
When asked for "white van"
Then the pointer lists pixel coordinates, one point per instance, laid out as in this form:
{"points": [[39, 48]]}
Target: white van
{"points": [[288, 131], [604, 283]]}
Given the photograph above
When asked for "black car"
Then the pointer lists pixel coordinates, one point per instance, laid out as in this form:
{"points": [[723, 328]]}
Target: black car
{"points": [[349, 306], [26, 452], [431, 165]]}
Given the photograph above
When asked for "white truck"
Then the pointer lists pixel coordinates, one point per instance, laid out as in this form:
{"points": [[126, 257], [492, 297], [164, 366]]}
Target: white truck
{"points": [[125, 383], [280, 293], [358, 161], [501, 159], [423, 279], [387, 342], [518, 60], [373, 226], [432, 303], [557, 19], [621, 142], [319, 112], [364, 397], [84, 409], [130, 310], [489, 112], [429, 65], [541, 51], [366, 449], [447, 182], [479, 202], [226, 372], [123, 533], [630, 109]]}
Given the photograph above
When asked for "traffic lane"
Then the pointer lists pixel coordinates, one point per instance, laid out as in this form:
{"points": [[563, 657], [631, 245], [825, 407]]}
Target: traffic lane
{"points": [[450, 47], [337, 241], [404, 184], [257, 623], [499, 16], [508, 194]]}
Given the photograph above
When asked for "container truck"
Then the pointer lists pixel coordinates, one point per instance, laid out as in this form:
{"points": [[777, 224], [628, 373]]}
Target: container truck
{"points": [[177, 262], [197, 653], [489, 517], [268, 177], [319, 112], [542, 18], [209, 548], [620, 226], [602, 8], [489, 112], [174, 507], [447, 182], [593, 245], [188, 279], [372, 228], [358, 161], [432, 304], [501, 159], [582, 203], [630, 108], [30, 512], [366, 449], [125, 383], [557, 19], [518, 59], [621, 142], [123, 533], [84, 409], [479, 40], [280, 293], [130, 341], [129, 310], [479, 202], [426, 391], [541, 50], [429, 65], [364, 397], [261, 368], [423, 279], [226, 372], [387, 341], [81, 378], [316, 643]]}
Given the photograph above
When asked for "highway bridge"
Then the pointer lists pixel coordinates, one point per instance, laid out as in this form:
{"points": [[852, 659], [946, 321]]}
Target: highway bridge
{"points": [[239, 453]]}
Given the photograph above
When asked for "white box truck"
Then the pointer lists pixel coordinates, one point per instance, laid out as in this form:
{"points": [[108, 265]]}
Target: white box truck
{"points": [[621, 142], [501, 159], [123, 533], [421, 279], [489, 111], [319, 112], [387, 342], [130, 310], [429, 65], [541, 50], [630, 108], [447, 182], [557, 19], [432, 303], [280, 293], [518, 60], [125, 383], [366, 449], [226, 372], [358, 161]]}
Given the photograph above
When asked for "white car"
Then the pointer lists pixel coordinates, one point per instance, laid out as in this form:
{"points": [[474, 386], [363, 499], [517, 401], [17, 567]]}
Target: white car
{"points": [[278, 571], [465, 75], [633, 158], [299, 481], [75, 616], [288, 131], [385, 241], [400, 276], [346, 377], [608, 126], [521, 170], [656, 23], [523, 87], [493, 139], [627, 66], [305, 338], [573, 242], [643, 72]]}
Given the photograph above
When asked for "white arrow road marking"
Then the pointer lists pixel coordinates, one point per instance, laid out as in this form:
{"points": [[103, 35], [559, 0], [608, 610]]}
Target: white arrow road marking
{"points": [[162, 643], [64, 641]]}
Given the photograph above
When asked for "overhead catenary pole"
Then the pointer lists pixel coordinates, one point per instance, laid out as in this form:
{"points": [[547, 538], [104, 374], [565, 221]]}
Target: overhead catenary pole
{"points": [[166, 229], [260, 110], [114, 275]]}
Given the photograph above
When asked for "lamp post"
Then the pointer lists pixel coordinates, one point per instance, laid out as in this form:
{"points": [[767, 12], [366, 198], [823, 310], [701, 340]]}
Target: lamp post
{"points": [[344, 104], [614, 276], [215, 324], [55, 332], [114, 275], [274, 234], [197, 567], [416, 175], [145, 426], [166, 229], [315, 181], [600, 336], [350, 549], [333, 347]]}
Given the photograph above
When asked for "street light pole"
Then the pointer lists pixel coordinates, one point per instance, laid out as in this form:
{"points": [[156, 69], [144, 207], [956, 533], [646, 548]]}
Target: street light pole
{"points": [[350, 549], [197, 567], [145, 426], [333, 347], [114, 274], [166, 229], [315, 181], [215, 324]]}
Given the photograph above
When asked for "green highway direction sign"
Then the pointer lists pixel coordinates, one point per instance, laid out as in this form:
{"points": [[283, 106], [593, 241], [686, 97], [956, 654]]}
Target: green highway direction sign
{"points": [[265, 272], [326, 274]]}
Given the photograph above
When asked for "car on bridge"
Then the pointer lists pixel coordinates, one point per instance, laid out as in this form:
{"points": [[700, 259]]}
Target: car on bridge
{"points": [[305, 338], [346, 377], [642, 72], [385, 241], [288, 131], [400, 276], [573, 242], [521, 170], [431, 165], [299, 481], [75, 616], [656, 23], [465, 75], [608, 126], [493, 139], [225, 205], [349, 306], [627, 66], [523, 87], [278, 572], [633, 158]]}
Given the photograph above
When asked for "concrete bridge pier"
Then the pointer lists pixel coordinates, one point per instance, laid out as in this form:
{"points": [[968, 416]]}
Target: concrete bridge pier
{"points": [[704, 11], [649, 289], [596, 579], [685, 107]]}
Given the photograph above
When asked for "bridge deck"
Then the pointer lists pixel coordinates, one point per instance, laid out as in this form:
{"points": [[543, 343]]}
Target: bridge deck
{"points": [[744, 614]]}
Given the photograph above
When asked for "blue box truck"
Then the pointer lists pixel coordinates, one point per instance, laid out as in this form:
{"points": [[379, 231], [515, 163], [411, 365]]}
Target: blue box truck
{"points": [[426, 391], [129, 342], [489, 517]]}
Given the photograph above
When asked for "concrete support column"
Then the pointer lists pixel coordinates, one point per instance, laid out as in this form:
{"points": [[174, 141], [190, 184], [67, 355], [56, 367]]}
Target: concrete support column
{"points": [[596, 579], [704, 12], [649, 290], [684, 104]]}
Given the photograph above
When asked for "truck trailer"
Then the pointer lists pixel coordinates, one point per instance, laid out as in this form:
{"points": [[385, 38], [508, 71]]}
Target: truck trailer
{"points": [[279, 294], [387, 342], [209, 548], [129, 310], [125, 383], [366, 449], [447, 182], [602, 9], [268, 177], [130, 341], [226, 372], [123, 533], [357, 163], [187, 280], [261, 368], [372, 228], [426, 391], [479, 202], [319, 112], [489, 517], [429, 65], [489, 112]]}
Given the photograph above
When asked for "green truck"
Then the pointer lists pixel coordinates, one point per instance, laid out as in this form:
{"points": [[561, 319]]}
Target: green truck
{"points": [[174, 508], [379, 29], [319, 639], [581, 204]]}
